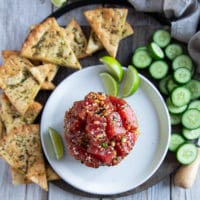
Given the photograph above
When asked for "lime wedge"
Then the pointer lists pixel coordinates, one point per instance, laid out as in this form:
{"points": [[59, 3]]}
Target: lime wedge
{"points": [[110, 84], [130, 82], [58, 3], [113, 67], [57, 143]]}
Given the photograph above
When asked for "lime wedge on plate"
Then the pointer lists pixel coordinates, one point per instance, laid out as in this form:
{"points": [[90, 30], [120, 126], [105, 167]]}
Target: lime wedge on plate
{"points": [[58, 3], [57, 143], [130, 82], [113, 66], [110, 84]]}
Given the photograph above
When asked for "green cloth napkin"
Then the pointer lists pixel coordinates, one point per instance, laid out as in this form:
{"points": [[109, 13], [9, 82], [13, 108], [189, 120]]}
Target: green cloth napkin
{"points": [[184, 16]]}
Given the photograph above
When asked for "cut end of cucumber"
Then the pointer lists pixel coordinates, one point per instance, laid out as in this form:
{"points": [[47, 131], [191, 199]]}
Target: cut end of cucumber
{"points": [[187, 153], [158, 69], [180, 96], [141, 59], [162, 38], [191, 119]]}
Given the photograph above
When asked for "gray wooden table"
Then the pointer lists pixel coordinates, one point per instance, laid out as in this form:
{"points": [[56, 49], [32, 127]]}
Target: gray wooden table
{"points": [[15, 19]]}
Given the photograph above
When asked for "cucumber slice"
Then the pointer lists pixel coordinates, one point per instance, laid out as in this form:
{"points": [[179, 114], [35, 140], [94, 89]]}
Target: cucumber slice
{"points": [[141, 48], [162, 38], [191, 119], [194, 87], [163, 85], [191, 134], [174, 109], [186, 153], [195, 104], [158, 69], [155, 51], [180, 96], [173, 50], [175, 141], [175, 118], [141, 59], [171, 85], [182, 75], [182, 61]]}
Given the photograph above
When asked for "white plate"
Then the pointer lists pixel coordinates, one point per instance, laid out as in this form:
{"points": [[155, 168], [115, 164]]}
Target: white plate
{"points": [[139, 165]]}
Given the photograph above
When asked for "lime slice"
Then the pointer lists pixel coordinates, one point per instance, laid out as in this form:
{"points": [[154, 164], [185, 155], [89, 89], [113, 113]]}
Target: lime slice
{"points": [[113, 66], [57, 143], [58, 3], [130, 82], [110, 84]]}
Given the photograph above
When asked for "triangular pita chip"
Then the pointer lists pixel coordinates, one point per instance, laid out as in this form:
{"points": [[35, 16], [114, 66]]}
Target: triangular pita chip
{"points": [[47, 86], [14, 70], [48, 42], [108, 24], [53, 69], [22, 95], [94, 43], [12, 118], [40, 72], [78, 41], [18, 179], [127, 31], [51, 174], [21, 149]]}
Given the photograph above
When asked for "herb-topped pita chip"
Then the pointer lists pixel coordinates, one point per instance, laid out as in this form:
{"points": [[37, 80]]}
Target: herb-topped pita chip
{"points": [[18, 179], [127, 31], [94, 43], [21, 149], [108, 24], [40, 72], [22, 95], [14, 70], [78, 41], [13, 119], [48, 42]]}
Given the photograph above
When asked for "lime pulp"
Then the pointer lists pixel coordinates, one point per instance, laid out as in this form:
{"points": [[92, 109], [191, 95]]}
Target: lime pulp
{"points": [[110, 84], [57, 143]]}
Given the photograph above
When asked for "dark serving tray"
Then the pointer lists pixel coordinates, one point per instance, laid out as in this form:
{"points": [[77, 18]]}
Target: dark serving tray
{"points": [[144, 25]]}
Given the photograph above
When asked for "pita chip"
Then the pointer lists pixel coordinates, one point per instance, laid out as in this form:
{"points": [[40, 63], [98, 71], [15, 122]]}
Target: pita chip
{"points": [[94, 43], [47, 86], [14, 70], [108, 24], [13, 119], [40, 72], [22, 95], [47, 42], [22, 150], [78, 41]]}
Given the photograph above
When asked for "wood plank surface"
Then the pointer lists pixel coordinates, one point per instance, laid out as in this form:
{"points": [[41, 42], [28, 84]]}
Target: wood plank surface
{"points": [[15, 19]]}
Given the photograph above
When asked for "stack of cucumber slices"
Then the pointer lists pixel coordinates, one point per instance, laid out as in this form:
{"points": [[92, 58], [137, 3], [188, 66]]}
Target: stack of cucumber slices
{"points": [[174, 73]]}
